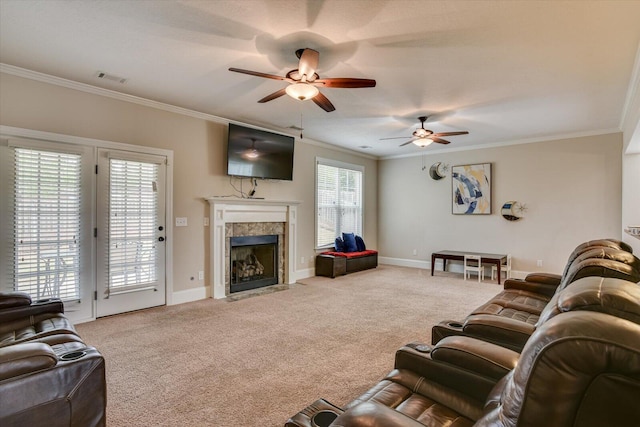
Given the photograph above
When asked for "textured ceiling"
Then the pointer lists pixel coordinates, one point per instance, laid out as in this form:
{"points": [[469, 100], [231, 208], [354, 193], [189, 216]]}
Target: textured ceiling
{"points": [[505, 71]]}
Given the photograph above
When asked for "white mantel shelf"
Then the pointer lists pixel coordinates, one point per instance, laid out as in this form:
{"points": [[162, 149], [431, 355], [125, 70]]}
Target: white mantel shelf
{"points": [[250, 201], [233, 210]]}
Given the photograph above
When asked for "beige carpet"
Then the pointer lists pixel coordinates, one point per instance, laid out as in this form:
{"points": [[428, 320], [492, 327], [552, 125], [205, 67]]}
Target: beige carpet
{"points": [[257, 361]]}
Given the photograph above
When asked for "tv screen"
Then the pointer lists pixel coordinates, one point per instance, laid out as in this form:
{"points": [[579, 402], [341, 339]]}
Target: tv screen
{"points": [[259, 154]]}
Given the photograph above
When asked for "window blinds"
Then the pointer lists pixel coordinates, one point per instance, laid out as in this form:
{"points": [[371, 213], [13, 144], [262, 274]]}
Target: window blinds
{"points": [[339, 202], [133, 200], [47, 220]]}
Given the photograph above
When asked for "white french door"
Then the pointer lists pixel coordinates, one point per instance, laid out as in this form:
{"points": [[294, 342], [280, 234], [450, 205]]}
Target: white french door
{"points": [[45, 222], [131, 231]]}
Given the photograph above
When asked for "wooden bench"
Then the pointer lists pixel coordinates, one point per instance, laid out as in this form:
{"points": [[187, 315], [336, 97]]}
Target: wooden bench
{"points": [[332, 264]]}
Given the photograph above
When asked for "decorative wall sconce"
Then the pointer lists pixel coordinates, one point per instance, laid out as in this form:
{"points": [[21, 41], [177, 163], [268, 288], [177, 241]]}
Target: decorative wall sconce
{"points": [[512, 210], [438, 170]]}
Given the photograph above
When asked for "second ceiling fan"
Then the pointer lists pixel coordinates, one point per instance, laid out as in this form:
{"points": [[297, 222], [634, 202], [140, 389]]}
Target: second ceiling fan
{"points": [[304, 81], [423, 137]]}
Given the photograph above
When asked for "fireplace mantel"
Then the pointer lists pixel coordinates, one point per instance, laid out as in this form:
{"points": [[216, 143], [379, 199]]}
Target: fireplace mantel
{"points": [[226, 210]]}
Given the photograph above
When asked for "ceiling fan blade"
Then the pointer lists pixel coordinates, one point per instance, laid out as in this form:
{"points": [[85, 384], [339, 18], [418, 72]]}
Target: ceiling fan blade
{"points": [[394, 137], [257, 74], [273, 96], [450, 133], [308, 63], [438, 140], [346, 82], [323, 102], [406, 143]]}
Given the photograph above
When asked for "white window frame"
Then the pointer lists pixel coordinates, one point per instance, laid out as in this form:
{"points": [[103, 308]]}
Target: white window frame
{"points": [[341, 165]]}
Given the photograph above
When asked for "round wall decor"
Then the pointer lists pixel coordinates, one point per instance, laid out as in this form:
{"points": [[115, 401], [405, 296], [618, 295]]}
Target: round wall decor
{"points": [[512, 210], [438, 171]]}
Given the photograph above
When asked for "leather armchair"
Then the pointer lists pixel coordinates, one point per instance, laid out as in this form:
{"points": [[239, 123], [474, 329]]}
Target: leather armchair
{"points": [[48, 375]]}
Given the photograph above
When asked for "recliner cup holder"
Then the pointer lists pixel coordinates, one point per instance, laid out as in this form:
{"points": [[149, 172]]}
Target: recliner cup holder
{"points": [[456, 325], [323, 418], [73, 355]]}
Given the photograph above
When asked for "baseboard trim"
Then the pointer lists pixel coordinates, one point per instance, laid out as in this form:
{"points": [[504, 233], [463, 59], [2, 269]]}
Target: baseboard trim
{"points": [[190, 295], [307, 272], [400, 262]]}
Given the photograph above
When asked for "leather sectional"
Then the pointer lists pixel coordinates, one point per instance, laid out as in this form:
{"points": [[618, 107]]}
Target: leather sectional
{"points": [[48, 375], [577, 365]]}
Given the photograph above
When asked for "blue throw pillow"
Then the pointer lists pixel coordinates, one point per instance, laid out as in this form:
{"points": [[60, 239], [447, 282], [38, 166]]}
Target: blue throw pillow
{"points": [[360, 244], [339, 245], [349, 242]]}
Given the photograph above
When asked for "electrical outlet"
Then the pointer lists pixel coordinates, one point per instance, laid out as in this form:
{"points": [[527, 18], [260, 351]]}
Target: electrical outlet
{"points": [[301, 260], [200, 275], [539, 263], [206, 221], [181, 222], [415, 252]]}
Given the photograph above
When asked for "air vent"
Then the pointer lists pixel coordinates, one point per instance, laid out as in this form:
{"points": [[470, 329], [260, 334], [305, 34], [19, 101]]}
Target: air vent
{"points": [[110, 77]]}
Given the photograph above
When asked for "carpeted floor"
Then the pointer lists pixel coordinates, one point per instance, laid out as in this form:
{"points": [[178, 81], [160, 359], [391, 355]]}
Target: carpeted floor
{"points": [[259, 360]]}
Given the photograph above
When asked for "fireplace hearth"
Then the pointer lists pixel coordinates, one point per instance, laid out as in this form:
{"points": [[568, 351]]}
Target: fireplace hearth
{"points": [[253, 262]]}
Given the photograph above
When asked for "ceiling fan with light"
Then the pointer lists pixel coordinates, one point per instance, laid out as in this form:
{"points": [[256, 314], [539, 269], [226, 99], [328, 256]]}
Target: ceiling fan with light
{"points": [[423, 137], [304, 81]]}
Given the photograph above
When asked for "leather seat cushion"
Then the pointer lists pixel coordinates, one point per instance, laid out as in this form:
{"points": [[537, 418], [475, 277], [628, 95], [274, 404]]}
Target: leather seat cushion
{"points": [[34, 328], [400, 390], [515, 304]]}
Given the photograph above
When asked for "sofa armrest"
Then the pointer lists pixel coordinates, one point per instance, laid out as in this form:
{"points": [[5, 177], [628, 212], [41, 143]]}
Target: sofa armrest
{"points": [[53, 305], [540, 283], [503, 331], [24, 358], [485, 358], [544, 278], [14, 299], [475, 385], [372, 414]]}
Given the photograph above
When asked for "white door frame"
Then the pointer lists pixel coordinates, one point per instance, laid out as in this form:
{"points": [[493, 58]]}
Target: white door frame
{"points": [[14, 132]]}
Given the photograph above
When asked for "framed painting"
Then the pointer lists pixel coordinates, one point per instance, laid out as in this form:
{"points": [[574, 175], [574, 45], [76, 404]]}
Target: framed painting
{"points": [[471, 189]]}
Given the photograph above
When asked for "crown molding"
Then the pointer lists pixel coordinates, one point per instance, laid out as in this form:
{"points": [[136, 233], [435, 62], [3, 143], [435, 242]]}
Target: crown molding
{"points": [[509, 143]]}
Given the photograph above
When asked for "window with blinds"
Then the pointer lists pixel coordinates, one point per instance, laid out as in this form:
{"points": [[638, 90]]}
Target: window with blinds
{"points": [[338, 201], [133, 201], [47, 220]]}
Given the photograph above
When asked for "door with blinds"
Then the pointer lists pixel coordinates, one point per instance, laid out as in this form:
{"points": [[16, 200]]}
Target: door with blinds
{"points": [[130, 232], [45, 240]]}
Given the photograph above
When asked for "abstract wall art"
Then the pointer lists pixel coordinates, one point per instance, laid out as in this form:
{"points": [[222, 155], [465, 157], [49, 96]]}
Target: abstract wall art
{"points": [[471, 189]]}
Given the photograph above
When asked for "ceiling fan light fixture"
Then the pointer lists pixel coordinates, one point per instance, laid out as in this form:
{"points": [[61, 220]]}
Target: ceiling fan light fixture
{"points": [[423, 142], [301, 91]]}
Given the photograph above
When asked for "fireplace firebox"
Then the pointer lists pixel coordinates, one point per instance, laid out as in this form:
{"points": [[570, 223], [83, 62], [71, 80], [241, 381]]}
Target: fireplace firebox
{"points": [[253, 262]]}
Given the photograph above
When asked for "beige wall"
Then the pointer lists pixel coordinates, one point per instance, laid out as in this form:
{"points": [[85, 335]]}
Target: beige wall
{"points": [[631, 197], [572, 189], [199, 148]]}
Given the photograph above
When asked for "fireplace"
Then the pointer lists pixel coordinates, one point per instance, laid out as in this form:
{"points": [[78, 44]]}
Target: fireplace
{"points": [[230, 218], [253, 262]]}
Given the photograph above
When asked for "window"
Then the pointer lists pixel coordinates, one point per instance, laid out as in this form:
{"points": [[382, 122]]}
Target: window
{"points": [[338, 200], [46, 231], [133, 205]]}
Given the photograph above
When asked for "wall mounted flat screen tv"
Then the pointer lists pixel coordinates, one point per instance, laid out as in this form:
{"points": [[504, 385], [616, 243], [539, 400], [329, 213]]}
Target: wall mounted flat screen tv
{"points": [[257, 153]]}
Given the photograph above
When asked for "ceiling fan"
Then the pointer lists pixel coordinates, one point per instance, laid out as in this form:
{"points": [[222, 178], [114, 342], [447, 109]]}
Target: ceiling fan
{"points": [[304, 81], [423, 137]]}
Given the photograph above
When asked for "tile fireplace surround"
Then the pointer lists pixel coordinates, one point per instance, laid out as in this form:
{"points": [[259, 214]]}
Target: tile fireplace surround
{"points": [[225, 211]]}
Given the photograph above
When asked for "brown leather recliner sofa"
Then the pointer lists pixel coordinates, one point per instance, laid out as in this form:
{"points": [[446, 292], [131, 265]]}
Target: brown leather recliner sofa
{"points": [[48, 375], [509, 318], [578, 369]]}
